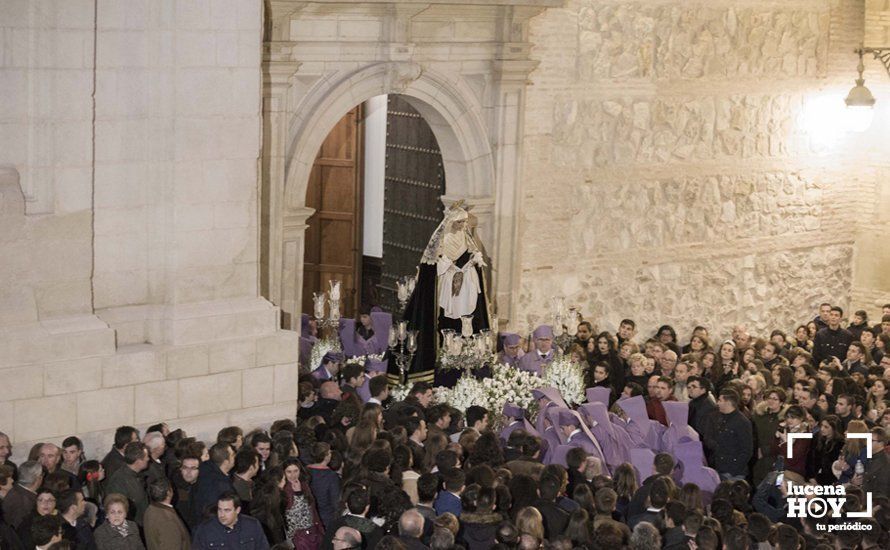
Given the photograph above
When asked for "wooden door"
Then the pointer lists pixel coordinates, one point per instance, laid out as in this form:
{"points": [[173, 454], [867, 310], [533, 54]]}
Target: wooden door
{"points": [[333, 238], [415, 181]]}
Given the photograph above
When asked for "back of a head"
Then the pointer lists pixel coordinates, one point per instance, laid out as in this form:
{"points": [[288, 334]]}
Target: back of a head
{"points": [[123, 435], [219, 453], [675, 511], [349, 536], [30, 472], [411, 524], [787, 537], [157, 490], [735, 539], [548, 488], [441, 539], [357, 500], [454, 480], [659, 493], [759, 526], [427, 487], [645, 536], [664, 464], [706, 539], [134, 451]]}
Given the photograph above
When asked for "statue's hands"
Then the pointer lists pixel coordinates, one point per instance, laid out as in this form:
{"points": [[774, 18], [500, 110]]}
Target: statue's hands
{"points": [[478, 259]]}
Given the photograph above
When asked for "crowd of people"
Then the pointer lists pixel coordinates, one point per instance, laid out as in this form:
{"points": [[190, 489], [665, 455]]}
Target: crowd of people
{"points": [[356, 468]]}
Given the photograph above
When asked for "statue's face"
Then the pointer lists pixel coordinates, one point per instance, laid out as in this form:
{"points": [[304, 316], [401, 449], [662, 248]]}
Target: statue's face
{"points": [[459, 225]]}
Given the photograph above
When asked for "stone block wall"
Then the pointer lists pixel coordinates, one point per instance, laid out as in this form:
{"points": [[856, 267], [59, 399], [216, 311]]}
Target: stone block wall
{"points": [[676, 171], [129, 147]]}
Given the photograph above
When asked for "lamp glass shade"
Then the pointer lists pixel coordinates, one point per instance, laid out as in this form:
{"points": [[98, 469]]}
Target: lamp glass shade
{"points": [[859, 117]]}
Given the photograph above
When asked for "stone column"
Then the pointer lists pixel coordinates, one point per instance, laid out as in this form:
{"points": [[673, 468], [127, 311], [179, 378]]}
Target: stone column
{"points": [[293, 244], [278, 70]]}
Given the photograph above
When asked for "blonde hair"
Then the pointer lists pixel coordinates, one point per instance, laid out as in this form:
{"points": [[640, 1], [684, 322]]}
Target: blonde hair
{"points": [[530, 522], [854, 446], [636, 357]]}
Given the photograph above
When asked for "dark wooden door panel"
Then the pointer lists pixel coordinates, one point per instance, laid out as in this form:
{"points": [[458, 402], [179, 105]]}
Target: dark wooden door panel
{"points": [[415, 181], [333, 238]]}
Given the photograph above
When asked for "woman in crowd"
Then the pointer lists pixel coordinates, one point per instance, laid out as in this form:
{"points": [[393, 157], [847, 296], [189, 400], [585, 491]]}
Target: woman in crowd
{"points": [[825, 451], [304, 528], [117, 533]]}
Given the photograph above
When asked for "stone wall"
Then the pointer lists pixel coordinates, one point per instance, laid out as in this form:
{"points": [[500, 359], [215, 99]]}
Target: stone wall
{"points": [[674, 172], [129, 146]]}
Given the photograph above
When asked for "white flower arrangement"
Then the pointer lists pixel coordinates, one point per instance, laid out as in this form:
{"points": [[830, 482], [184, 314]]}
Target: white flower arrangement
{"points": [[363, 359], [319, 350], [399, 392], [505, 385], [567, 376]]}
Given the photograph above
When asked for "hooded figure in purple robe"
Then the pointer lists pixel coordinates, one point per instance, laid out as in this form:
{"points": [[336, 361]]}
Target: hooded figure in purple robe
{"points": [[546, 396], [511, 354], [640, 427], [678, 430], [559, 455], [614, 449], [381, 322], [643, 461], [599, 394], [691, 456], [322, 373], [307, 340], [373, 367], [535, 360], [580, 435], [516, 421]]}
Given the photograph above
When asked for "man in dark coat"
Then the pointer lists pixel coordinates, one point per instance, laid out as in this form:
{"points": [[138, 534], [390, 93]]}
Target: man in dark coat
{"points": [[555, 518], [832, 340], [129, 482], [765, 425], [22, 498], [701, 406], [114, 460], [731, 439], [877, 474], [230, 529], [213, 478]]}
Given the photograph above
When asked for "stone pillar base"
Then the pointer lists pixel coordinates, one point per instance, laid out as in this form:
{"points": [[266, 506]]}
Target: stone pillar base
{"points": [[223, 363]]}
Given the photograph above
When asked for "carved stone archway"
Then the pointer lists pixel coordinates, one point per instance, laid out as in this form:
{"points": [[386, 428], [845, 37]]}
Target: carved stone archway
{"points": [[467, 81]]}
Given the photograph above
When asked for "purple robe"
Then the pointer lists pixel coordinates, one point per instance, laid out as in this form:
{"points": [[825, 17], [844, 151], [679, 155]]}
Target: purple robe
{"points": [[559, 455], [601, 428], [599, 394], [643, 427], [534, 363], [381, 322], [505, 359], [644, 462], [321, 374], [678, 430], [691, 456]]}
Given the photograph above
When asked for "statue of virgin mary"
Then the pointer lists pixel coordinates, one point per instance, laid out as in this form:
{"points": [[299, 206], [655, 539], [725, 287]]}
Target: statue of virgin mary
{"points": [[450, 287]]}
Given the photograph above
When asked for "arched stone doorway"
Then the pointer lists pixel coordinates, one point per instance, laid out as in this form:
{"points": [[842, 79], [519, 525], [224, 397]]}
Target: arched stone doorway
{"points": [[471, 94]]}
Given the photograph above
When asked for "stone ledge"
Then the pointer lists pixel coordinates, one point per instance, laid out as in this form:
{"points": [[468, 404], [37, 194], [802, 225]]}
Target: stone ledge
{"points": [[54, 340]]}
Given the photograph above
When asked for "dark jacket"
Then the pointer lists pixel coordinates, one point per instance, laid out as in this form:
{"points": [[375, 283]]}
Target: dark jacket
{"points": [[325, 485], [164, 529], [113, 462], [765, 426], [246, 535], [820, 459], [699, 410], [18, 504], [371, 532], [877, 475], [132, 485], [108, 538], [81, 534], [732, 443], [675, 539], [831, 342], [555, 518], [479, 530], [183, 502], [211, 483]]}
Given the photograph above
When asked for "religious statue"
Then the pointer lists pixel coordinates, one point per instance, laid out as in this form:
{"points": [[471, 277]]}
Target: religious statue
{"points": [[450, 292]]}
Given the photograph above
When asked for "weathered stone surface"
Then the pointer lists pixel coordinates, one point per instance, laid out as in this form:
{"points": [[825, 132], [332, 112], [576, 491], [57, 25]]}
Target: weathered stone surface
{"points": [[635, 40]]}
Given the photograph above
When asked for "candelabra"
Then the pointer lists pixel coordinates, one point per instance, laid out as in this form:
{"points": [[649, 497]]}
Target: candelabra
{"points": [[332, 297], [402, 347], [465, 350], [565, 323]]}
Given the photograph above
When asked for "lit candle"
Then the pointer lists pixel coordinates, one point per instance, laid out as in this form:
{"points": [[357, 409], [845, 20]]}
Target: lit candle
{"points": [[403, 330], [335, 290], [318, 297], [393, 337]]}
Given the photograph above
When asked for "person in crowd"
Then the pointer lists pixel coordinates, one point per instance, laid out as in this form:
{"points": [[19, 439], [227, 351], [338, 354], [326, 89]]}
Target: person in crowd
{"points": [[128, 481], [114, 460], [230, 528], [117, 532], [831, 340], [730, 438], [536, 360], [213, 479], [164, 529]]}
